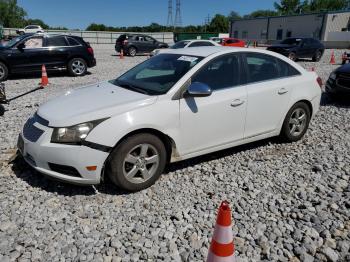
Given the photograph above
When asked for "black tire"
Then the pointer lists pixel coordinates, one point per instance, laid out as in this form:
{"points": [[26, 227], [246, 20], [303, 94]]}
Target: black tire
{"points": [[119, 167], [293, 56], [4, 72], [287, 134], [77, 67], [132, 51], [317, 56]]}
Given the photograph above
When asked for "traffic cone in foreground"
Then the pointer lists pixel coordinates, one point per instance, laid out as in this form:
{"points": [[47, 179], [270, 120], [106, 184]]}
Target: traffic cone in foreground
{"points": [[332, 58], [222, 248], [44, 78], [121, 54]]}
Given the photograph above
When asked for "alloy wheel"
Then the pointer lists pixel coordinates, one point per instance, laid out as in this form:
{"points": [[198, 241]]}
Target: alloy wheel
{"points": [[2, 72], [141, 163], [78, 67], [297, 122]]}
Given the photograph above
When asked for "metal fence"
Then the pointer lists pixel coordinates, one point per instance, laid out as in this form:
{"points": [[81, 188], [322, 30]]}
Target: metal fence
{"points": [[99, 37]]}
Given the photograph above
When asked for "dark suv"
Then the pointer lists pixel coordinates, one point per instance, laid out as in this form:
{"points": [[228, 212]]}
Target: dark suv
{"points": [[28, 52], [295, 48], [131, 44]]}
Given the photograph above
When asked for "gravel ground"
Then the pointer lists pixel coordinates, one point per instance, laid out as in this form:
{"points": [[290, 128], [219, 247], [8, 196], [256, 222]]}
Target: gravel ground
{"points": [[291, 202]]}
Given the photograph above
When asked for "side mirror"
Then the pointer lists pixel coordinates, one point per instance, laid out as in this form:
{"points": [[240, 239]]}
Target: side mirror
{"points": [[21, 46], [198, 89]]}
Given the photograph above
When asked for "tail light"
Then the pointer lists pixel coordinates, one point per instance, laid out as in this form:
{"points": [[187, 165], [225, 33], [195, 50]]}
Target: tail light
{"points": [[319, 81], [90, 50]]}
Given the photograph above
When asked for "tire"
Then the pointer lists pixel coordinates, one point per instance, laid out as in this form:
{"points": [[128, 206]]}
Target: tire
{"points": [[317, 56], [132, 51], [77, 67], [131, 156], [3, 72], [293, 56], [294, 128]]}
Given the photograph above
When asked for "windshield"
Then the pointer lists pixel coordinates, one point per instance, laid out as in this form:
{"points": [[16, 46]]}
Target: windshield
{"points": [[14, 41], [156, 76], [180, 44], [291, 41]]}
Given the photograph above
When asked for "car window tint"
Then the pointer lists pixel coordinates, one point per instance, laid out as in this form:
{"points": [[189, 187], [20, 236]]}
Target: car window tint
{"points": [[196, 44], [222, 72], [150, 39], [32, 27], [72, 41], [286, 70], [231, 41], [56, 41], [261, 67], [35, 42]]}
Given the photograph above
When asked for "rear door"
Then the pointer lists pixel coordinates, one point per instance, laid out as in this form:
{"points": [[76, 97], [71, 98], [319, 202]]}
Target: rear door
{"points": [[307, 49], [58, 51], [150, 44], [269, 90]]}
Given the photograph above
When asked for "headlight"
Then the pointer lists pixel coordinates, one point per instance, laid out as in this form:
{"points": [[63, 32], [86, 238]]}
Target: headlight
{"points": [[74, 134], [333, 76]]}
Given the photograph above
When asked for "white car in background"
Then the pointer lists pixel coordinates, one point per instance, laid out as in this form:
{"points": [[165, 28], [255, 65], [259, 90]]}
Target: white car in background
{"points": [[186, 44], [30, 29], [174, 106]]}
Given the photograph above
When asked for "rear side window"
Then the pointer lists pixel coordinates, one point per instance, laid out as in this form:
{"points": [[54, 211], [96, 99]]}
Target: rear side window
{"points": [[72, 41], [56, 41], [231, 41], [222, 72], [196, 44], [265, 67]]}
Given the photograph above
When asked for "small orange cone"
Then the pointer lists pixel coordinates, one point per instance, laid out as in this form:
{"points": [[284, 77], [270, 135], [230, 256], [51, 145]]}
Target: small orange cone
{"points": [[44, 78], [332, 58], [222, 247], [121, 54]]}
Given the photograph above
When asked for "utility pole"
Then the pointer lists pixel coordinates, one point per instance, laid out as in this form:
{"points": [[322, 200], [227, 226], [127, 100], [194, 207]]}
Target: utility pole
{"points": [[170, 22], [178, 18]]}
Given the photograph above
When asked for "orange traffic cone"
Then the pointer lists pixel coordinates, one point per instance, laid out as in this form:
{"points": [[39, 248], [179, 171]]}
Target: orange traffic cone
{"points": [[44, 78], [332, 58], [222, 247], [121, 54]]}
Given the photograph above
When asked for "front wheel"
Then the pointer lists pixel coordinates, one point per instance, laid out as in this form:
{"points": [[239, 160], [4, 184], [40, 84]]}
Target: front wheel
{"points": [[77, 67], [296, 122], [292, 56], [137, 162], [3, 72]]}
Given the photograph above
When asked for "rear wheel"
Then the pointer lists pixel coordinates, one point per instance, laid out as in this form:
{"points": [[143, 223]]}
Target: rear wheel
{"points": [[77, 67], [3, 72], [292, 56], [296, 122], [137, 162], [317, 56], [132, 51]]}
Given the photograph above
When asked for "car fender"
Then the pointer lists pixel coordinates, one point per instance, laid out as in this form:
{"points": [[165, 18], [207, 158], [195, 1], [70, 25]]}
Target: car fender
{"points": [[162, 116]]}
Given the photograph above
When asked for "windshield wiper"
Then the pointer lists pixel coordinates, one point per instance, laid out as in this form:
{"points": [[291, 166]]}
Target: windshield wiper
{"points": [[132, 87]]}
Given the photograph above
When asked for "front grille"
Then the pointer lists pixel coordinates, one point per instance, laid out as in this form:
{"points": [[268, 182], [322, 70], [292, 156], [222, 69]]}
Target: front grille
{"points": [[31, 132], [65, 170]]}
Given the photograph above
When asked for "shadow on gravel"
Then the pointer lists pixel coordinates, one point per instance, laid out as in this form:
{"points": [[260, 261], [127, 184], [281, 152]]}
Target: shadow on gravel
{"points": [[337, 101], [37, 180], [37, 75]]}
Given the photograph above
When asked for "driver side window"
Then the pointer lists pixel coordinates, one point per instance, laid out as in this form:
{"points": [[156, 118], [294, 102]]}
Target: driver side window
{"points": [[35, 42], [220, 73]]}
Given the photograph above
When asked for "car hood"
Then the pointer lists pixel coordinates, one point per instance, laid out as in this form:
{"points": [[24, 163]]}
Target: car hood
{"points": [[92, 102], [283, 46], [343, 69]]}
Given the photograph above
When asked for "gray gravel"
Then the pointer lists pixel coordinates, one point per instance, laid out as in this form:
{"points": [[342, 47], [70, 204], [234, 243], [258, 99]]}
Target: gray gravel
{"points": [[291, 202]]}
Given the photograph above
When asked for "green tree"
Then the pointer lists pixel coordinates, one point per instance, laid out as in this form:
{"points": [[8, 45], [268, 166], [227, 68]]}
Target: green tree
{"points": [[36, 22], [219, 23], [261, 13], [289, 7], [327, 5], [11, 15], [233, 15]]}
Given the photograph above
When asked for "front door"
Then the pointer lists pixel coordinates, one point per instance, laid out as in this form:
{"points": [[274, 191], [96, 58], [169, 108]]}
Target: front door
{"points": [[35, 52], [219, 119]]}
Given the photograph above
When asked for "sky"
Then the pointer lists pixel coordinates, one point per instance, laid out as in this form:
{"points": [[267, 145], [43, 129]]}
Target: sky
{"points": [[78, 14]]}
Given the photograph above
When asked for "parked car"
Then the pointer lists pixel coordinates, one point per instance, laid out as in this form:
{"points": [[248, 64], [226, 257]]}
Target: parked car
{"points": [[132, 44], [187, 44], [296, 48], [30, 29], [174, 106], [27, 53], [232, 42], [338, 83]]}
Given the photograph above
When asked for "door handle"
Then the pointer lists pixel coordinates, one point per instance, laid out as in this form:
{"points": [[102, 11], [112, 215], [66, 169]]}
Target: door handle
{"points": [[237, 102], [282, 91]]}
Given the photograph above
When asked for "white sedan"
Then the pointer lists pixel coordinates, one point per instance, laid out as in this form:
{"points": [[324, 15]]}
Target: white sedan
{"points": [[174, 106], [186, 44]]}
